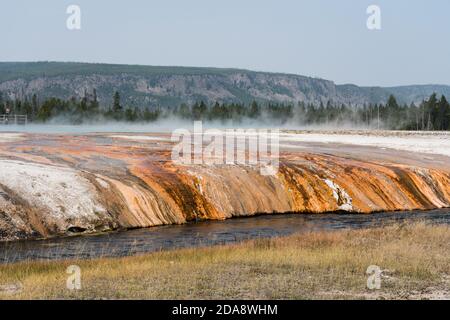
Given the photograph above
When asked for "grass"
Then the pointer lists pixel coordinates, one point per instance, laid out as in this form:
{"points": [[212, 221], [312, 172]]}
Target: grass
{"points": [[415, 259]]}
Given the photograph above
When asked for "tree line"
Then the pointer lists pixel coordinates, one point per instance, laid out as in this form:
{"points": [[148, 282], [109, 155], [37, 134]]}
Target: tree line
{"points": [[431, 114]]}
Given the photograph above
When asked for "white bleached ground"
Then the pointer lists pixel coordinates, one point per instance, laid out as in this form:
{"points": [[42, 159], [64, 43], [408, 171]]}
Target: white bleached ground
{"points": [[10, 137], [433, 143], [422, 142], [59, 191], [341, 196]]}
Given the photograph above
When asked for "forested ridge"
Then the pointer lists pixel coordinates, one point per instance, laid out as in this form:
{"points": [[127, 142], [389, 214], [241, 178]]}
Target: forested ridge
{"points": [[431, 114]]}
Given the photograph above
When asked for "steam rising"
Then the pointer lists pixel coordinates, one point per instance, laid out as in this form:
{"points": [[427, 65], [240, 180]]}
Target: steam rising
{"points": [[170, 124]]}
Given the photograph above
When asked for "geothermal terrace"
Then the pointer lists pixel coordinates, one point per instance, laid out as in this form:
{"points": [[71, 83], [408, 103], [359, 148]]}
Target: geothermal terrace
{"points": [[59, 184]]}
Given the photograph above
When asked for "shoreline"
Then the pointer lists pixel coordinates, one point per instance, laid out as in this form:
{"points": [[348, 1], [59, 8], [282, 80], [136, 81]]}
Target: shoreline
{"points": [[119, 230], [203, 234], [324, 265]]}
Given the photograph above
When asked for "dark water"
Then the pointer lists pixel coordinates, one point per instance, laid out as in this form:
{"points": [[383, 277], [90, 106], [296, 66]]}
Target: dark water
{"points": [[208, 233]]}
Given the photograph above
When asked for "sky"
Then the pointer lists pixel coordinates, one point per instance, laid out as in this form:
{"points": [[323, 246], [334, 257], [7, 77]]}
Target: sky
{"points": [[320, 38]]}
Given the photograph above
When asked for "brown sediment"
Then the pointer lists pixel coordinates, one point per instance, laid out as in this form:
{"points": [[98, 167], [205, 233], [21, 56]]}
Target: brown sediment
{"points": [[126, 184]]}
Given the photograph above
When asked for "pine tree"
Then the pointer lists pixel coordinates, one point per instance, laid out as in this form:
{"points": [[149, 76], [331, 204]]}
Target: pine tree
{"points": [[2, 106], [431, 109], [117, 107], [254, 111], [34, 106], [199, 110], [215, 112], [94, 105], [443, 114], [130, 115]]}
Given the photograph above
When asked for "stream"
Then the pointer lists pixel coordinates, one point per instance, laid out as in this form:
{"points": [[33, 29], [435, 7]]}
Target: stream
{"points": [[206, 233]]}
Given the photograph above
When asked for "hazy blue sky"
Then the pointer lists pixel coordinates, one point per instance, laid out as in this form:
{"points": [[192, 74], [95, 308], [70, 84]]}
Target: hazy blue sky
{"points": [[327, 39]]}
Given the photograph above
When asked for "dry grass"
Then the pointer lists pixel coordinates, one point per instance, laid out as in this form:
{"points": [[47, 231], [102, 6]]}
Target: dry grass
{"points": [[415, 260]]}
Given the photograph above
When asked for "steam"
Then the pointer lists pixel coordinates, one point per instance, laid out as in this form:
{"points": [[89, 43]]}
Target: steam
{"points": [[169, 124]]}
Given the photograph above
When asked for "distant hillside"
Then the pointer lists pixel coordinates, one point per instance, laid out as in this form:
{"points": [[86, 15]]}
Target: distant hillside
{"points": [[171, 86]]}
